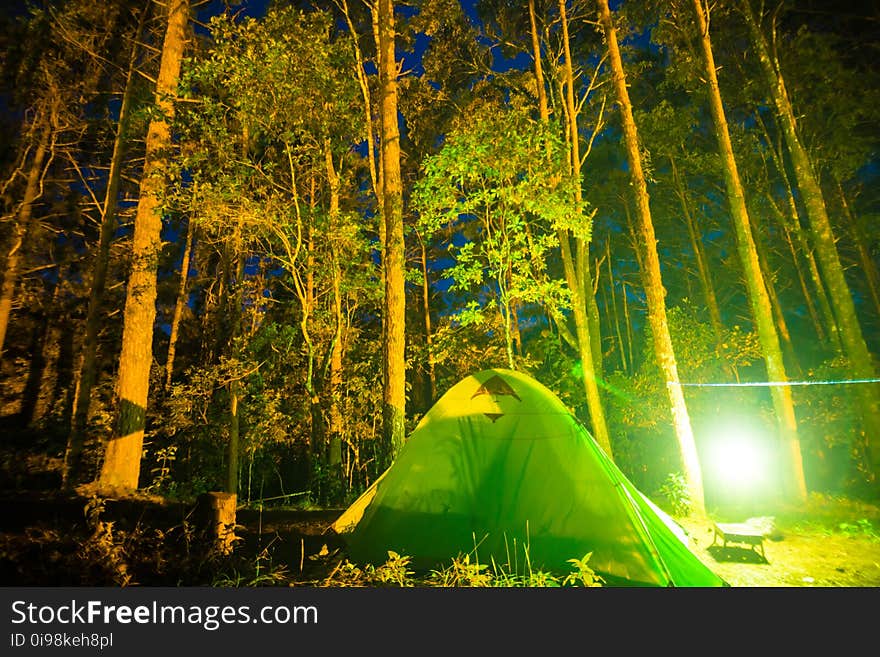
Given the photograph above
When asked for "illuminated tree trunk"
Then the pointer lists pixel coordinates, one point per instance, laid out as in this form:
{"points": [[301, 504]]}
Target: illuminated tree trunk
{"points": [[234, 385], [426, 313], [122, 459], [334, 455], [860, 239], [179, 304], [369, 131], [88, 358], [23, 227], [576, 265], [624, 363], [394, 393], [775, 305], [861, 362], [762, 312], [791, 224], [654, 290], [699, 254]]}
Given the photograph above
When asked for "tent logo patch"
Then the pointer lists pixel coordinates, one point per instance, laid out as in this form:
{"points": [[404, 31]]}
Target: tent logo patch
{"points": [[496, 386]]}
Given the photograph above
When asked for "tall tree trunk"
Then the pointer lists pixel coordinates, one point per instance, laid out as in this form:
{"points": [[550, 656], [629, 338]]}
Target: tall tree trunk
{"points": [[795, 487], [334, 455], [122, 459], [792, 226], [775, 305], [394, 387], [699, 253], [369, 132], [624, 363], [87, 374], [860, 239], [234, 438], [426, 313], [798, 266], [234, 386], [861, 362], [179, 304], [577, 268], [37, 370], [654, 290], [23, 227]]}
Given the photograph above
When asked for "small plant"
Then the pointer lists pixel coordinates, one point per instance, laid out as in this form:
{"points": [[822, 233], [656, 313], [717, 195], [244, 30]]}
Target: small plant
{"points": [[395, 571], [582, 574], [674, 490], [103, 551], [161, 472], [345, 574], [462, 573], [862, 527]]}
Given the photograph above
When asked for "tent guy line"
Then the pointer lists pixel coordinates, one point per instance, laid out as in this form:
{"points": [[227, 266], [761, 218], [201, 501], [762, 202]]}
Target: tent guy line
{"points": [[770, 383]]}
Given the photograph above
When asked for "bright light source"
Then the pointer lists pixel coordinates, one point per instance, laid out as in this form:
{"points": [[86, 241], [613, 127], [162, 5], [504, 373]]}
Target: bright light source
{"points": [[737, 459]]}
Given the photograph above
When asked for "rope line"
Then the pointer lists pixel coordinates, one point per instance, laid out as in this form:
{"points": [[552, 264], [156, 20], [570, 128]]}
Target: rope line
{"points": [[752, 384]]}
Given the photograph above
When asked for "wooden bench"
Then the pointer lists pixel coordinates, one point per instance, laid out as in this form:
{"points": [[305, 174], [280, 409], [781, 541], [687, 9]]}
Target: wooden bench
{"points": [[740, 532]]}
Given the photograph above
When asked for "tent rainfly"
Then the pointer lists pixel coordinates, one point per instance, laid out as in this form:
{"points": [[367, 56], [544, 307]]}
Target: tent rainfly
{"points": [[499, 468]]}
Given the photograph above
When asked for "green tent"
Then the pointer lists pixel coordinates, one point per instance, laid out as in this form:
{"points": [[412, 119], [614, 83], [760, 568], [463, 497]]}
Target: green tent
{"points": [[501, 469]]}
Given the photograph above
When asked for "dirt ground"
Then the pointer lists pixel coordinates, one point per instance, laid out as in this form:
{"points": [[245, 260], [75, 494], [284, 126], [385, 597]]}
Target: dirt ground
{"points": [[798, 555]]}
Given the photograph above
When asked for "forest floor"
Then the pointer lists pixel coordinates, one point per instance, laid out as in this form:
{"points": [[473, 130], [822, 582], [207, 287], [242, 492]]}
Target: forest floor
{"points": [[49, 538]]}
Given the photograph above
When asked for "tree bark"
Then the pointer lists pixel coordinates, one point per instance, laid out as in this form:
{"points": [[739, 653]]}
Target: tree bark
{"points": [[179, 304], [654, 290], [861, 361], [24, 226], [577, 267], [426, 313], [699, 253], [794, 484], [792, 226], [334, 455], [87, 374], [122, 459], [394, 387], [860, 239], [624, 363]]}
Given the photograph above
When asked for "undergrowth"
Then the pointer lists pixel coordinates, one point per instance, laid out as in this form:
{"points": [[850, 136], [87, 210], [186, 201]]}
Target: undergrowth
{"points": [[461, 572]]}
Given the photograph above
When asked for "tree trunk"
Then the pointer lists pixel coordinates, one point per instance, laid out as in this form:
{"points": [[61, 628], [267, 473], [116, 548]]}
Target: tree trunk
{"points": [[795, 486], [624, 363], [334, 455], [369, 132], [860, 239], [122, 459], [179, 304], [654, 290], [87, 374], [699, 253], [775, 305], [792, 226], [394, 388], [234, 435], [577, 269], [860, 359], [426, 313], [23, 228]]}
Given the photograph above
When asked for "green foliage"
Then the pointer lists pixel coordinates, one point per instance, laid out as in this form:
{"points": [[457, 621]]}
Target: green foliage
{"points": [[501, 180], [465, 570], [582, 575], [461, 572], [861, 527], [674, 492]]}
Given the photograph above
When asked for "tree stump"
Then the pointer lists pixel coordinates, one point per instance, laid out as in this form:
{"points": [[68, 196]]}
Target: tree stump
{"points": [[215, 517]]}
